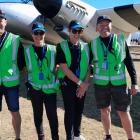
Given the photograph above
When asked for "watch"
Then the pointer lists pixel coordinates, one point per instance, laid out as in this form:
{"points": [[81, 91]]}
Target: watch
{"points": [[79, 82]]}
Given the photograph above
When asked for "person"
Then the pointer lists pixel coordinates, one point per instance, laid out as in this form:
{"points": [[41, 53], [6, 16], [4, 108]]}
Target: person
{"points": [[110, 55], [9, 73], [73, 59], [39, 61]]}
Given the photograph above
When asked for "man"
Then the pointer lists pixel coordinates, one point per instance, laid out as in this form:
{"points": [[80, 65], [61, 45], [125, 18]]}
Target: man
{"points": [[39, 60], [9, 73], [110, 55], [73, 58]]}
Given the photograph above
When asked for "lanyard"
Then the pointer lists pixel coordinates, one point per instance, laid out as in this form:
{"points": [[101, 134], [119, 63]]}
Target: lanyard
{"points": [[105, 49], [40, 61]]}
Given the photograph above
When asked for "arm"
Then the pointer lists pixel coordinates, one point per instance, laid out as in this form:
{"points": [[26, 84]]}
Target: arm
{"points": [[69, 73], [132, 72], [61, 60], [20, 57], [82, 89]]}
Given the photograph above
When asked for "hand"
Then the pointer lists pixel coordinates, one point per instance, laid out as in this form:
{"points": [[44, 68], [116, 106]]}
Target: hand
{"points": [[82, 89], [134, 89]]}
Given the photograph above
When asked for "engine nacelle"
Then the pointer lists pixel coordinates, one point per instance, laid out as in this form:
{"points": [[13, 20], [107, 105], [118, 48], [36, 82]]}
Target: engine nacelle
{"points": [[48, 8]]}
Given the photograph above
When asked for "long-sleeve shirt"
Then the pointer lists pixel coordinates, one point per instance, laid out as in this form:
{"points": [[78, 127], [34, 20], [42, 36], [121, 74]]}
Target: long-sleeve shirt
{"points": [[127, 61]]}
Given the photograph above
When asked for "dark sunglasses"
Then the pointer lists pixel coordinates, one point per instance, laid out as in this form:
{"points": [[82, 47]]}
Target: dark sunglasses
{"points": [[38, 33], [75, 31]]}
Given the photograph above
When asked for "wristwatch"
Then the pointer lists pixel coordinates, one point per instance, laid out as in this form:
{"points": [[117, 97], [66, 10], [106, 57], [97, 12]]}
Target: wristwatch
{"points": [[79, 82]]}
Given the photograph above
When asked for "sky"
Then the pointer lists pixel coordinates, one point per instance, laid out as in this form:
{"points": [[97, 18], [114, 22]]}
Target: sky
{"points": [[102, 4]]}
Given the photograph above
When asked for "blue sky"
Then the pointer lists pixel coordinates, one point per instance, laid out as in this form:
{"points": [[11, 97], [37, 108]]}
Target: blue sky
{"points": [[101, 4]]}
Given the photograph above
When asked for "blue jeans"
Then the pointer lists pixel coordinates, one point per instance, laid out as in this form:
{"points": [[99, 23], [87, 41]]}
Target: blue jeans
{"points": [[11, 96]]}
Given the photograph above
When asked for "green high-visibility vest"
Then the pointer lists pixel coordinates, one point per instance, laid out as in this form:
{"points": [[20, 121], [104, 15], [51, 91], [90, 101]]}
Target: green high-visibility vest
{"points": [[102, 76], [9, 72], [49, 84], [84, 62]]}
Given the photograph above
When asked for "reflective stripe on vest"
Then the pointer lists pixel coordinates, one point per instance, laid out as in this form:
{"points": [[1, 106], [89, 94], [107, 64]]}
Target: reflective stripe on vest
{"points": [[106, 76], [47, 85], [101, 77], [94, 51], [14, 57], [122, 44], [12, 78], [14, 61], [118, 77], [29, 59], [83, 47], [52, 58], [84, 61]]}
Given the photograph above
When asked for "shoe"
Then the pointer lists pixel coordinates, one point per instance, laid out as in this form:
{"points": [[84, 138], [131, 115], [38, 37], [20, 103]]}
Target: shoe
{"points": [[108, 138], [79, 138]]}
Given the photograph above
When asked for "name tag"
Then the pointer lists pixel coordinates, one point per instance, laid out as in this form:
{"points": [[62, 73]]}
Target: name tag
{"points": [[105, 65], [41, 76]]}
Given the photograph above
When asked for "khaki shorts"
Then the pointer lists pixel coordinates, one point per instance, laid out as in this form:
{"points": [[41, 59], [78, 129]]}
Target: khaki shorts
{"points": [[120, 96]]}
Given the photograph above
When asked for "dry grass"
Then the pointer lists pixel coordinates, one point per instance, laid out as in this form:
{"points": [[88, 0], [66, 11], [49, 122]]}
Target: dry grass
{"points": [[91, 125]]}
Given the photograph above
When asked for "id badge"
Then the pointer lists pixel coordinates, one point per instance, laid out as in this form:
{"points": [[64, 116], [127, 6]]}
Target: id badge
{"points": [[78, 72], [105, 65], [41, 76]]}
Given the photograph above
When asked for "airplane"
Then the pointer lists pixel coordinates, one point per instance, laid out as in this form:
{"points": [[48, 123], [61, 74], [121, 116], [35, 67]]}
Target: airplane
{"points": [[57, 14]]}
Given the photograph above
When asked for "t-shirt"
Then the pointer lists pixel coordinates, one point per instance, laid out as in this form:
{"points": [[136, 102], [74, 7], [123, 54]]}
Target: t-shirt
{"points": [[75, 52]]}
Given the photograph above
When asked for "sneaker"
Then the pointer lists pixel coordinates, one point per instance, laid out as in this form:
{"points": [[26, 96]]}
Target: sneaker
{"points": [[108, 138], [79, 138]]}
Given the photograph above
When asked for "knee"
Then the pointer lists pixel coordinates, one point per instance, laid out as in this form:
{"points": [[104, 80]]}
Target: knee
{"points": [[123, 114], [16, 115], [106, 111]]}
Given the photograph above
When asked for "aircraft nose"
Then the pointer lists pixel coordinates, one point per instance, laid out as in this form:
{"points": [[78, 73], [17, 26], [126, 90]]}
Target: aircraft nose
{"points": [[48, 8]]}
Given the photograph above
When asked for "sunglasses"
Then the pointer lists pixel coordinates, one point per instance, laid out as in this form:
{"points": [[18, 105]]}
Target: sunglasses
{"points": [[38, 33], [75, 31]]}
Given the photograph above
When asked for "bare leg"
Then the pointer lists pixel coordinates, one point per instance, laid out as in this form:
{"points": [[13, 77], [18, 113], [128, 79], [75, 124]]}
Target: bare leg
{"points": [[106, 119], [127, 123], [16, 122]]}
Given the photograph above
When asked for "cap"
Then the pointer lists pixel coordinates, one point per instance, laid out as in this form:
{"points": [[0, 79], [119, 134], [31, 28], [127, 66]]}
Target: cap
{"points": [[102, 18], [38, 27], [74, 24], [2, 14]]}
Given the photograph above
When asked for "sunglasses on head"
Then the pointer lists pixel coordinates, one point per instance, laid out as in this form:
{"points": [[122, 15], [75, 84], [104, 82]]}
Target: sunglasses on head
{"points": [[75, 31], [38, 33]]}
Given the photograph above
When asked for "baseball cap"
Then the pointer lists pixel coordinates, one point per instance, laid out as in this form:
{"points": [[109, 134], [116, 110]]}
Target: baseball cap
{"points": [[38, 27], [102, 18], [74, 24], [2, 14]]}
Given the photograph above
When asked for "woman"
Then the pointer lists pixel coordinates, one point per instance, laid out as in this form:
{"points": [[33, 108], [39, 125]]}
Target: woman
{"points": [[42, 83], [73, 58]]}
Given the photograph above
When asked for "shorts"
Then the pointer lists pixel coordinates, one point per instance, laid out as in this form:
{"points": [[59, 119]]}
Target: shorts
{"points": [[120, 96], [12, 98]]}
